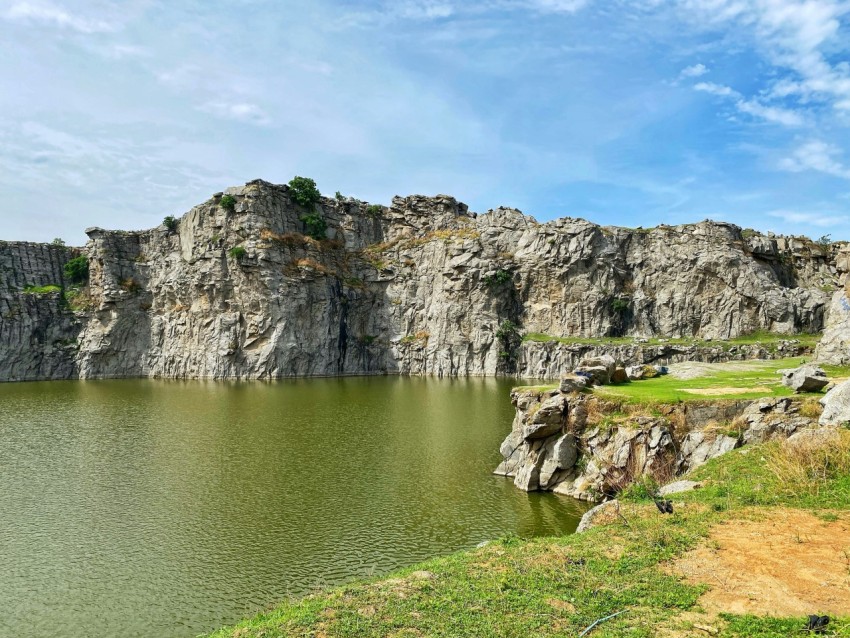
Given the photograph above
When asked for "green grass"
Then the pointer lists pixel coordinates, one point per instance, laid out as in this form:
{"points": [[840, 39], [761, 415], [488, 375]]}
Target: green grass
{"points": [[769, 340], [42, 290], [761, 377], [558, 586]]}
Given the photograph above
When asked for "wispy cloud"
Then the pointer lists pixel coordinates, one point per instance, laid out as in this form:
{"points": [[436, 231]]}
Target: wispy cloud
{"points": [[775, 114], [816, 155], [820, 220], [238, 111], [694, 71], [53, 15]]}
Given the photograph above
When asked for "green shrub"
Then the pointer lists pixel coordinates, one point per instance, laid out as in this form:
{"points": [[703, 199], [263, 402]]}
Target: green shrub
{"points": [[619, 306], [228, 203], [58, 242], [825, 240], [315, 224], [77, 270], [373, 210], [170, 223], [237, 252], [339, 196], [303, 190], [501, 276]]}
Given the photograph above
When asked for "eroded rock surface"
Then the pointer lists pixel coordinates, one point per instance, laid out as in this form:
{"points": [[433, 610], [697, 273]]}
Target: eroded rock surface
{"points": [[421, 287], [594, 447]]}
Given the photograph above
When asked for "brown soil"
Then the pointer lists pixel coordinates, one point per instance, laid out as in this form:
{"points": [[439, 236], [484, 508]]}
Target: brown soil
{"points": [[723, 391], [782, 563]]}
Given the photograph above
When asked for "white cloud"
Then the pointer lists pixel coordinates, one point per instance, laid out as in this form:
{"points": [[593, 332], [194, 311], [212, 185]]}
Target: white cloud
{"points": [[239, 111], [816, 155], [777, 115], [815, 219], [694, 71], [49, 14], [774, 114], [556, 6]]}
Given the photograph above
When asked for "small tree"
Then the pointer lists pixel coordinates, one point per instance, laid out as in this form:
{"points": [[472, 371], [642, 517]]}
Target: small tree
{"points": [[825, 240], [228, 203], [303, 190], [77, 270], [170, 223], [58, 242], [315, 224], [373, 210]]}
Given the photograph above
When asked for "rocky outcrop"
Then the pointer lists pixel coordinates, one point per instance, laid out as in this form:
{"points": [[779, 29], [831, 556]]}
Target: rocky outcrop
{"points": [[589, 448], [420, 287], [38, 333], [834, 347], [836, 405]]}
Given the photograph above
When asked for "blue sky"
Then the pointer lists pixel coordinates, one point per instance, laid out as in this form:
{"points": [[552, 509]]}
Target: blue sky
{"points": [[630, 113]]}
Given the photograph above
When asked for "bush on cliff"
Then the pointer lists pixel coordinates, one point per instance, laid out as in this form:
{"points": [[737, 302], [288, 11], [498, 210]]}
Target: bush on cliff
{"points": [[228, 203], [315, 225], [77, 270], [237, 252], [304, 192], [170, 223]]}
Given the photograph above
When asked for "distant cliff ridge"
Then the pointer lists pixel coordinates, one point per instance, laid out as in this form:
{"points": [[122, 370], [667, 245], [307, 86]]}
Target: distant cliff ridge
{"points": [[237, 289]]}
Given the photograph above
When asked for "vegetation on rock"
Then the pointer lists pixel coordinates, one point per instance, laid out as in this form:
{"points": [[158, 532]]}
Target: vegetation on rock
{"points": [[77, 270], [228, 203]]}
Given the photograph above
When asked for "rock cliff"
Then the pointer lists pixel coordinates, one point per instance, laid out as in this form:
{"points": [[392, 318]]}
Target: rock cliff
{"points": [[420, 287], [582, 446], [835, 346]]}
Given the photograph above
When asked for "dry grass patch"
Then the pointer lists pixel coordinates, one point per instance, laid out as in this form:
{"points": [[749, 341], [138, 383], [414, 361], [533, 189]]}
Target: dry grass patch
{"points": [[805, 465]]}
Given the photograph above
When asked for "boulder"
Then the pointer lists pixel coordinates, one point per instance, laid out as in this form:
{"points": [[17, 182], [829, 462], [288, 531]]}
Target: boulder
{"points": [[620, 375], [808, 378], [572, 383], [548, 420], [677, 487], [836, 405], [559, 454], [599, 515], [598, 369], [634, 373]]}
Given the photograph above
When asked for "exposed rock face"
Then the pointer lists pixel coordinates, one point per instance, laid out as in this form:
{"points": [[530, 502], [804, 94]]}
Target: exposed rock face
{"points": [[834, 347], [836, 405], [37, 332], [421, 287], [588, 455]]}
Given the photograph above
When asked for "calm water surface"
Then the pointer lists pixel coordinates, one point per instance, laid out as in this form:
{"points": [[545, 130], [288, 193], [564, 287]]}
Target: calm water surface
{"points": [[166, 509]]}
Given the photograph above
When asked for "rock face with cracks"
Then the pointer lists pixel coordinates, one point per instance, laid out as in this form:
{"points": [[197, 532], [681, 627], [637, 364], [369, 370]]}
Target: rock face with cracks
{"points": [[570, 444], [420, 287]]}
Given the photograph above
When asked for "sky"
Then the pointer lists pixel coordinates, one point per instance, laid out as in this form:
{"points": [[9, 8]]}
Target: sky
{"points": [[632, 113]]}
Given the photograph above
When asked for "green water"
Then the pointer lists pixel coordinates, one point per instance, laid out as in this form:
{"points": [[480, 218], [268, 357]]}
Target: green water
{"points": [[166, 509]]}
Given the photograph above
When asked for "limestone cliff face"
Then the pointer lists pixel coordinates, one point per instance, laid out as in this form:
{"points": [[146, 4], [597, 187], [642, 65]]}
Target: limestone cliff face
{"points": [[37, 332], [835, 346], [421, 287]]}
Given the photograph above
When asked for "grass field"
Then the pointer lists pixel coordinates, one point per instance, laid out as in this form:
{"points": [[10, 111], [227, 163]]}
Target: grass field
{"points": [[769, 340]]}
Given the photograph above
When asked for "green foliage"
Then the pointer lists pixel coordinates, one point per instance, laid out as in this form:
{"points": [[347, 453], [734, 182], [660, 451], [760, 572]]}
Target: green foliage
{"points": [[339, 196], [509, 341], [42, 290], [77, 270], [315, 225], [825, 240], [619, 306], [304, 192], [373, 210], [58, 242], [228, 203], [171, 223], [237, 252], [500, 278]]}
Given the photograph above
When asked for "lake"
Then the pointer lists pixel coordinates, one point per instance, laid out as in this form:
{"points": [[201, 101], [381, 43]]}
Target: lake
{"points": [[168, 508]]}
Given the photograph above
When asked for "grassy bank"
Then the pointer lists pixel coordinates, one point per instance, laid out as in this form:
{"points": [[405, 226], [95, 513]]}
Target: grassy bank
{"points": [[559, 586], [700, 382], [768, 340]]}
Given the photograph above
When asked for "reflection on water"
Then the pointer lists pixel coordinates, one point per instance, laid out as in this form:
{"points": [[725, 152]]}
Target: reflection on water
{"points": [[163, 508]]}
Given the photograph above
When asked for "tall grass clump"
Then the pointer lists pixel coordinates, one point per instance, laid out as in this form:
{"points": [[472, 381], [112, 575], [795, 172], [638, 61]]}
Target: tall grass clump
{"points": [[805, 465]]}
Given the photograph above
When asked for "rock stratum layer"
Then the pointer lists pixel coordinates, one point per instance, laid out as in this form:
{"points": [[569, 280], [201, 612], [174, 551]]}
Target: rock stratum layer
{"points": [[420, 287]]}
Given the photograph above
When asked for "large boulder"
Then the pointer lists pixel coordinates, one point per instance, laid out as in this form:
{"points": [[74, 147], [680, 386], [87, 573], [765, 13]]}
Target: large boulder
{"points": [[559, 454], [602, 514], [572, 383], [808, 378], [836, 405], [598, 369], [549, 418]]}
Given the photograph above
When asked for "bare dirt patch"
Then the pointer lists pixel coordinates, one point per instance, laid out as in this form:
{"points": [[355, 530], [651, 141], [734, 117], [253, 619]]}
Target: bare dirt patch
{"points": [[712, 392], [781, 563]]}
